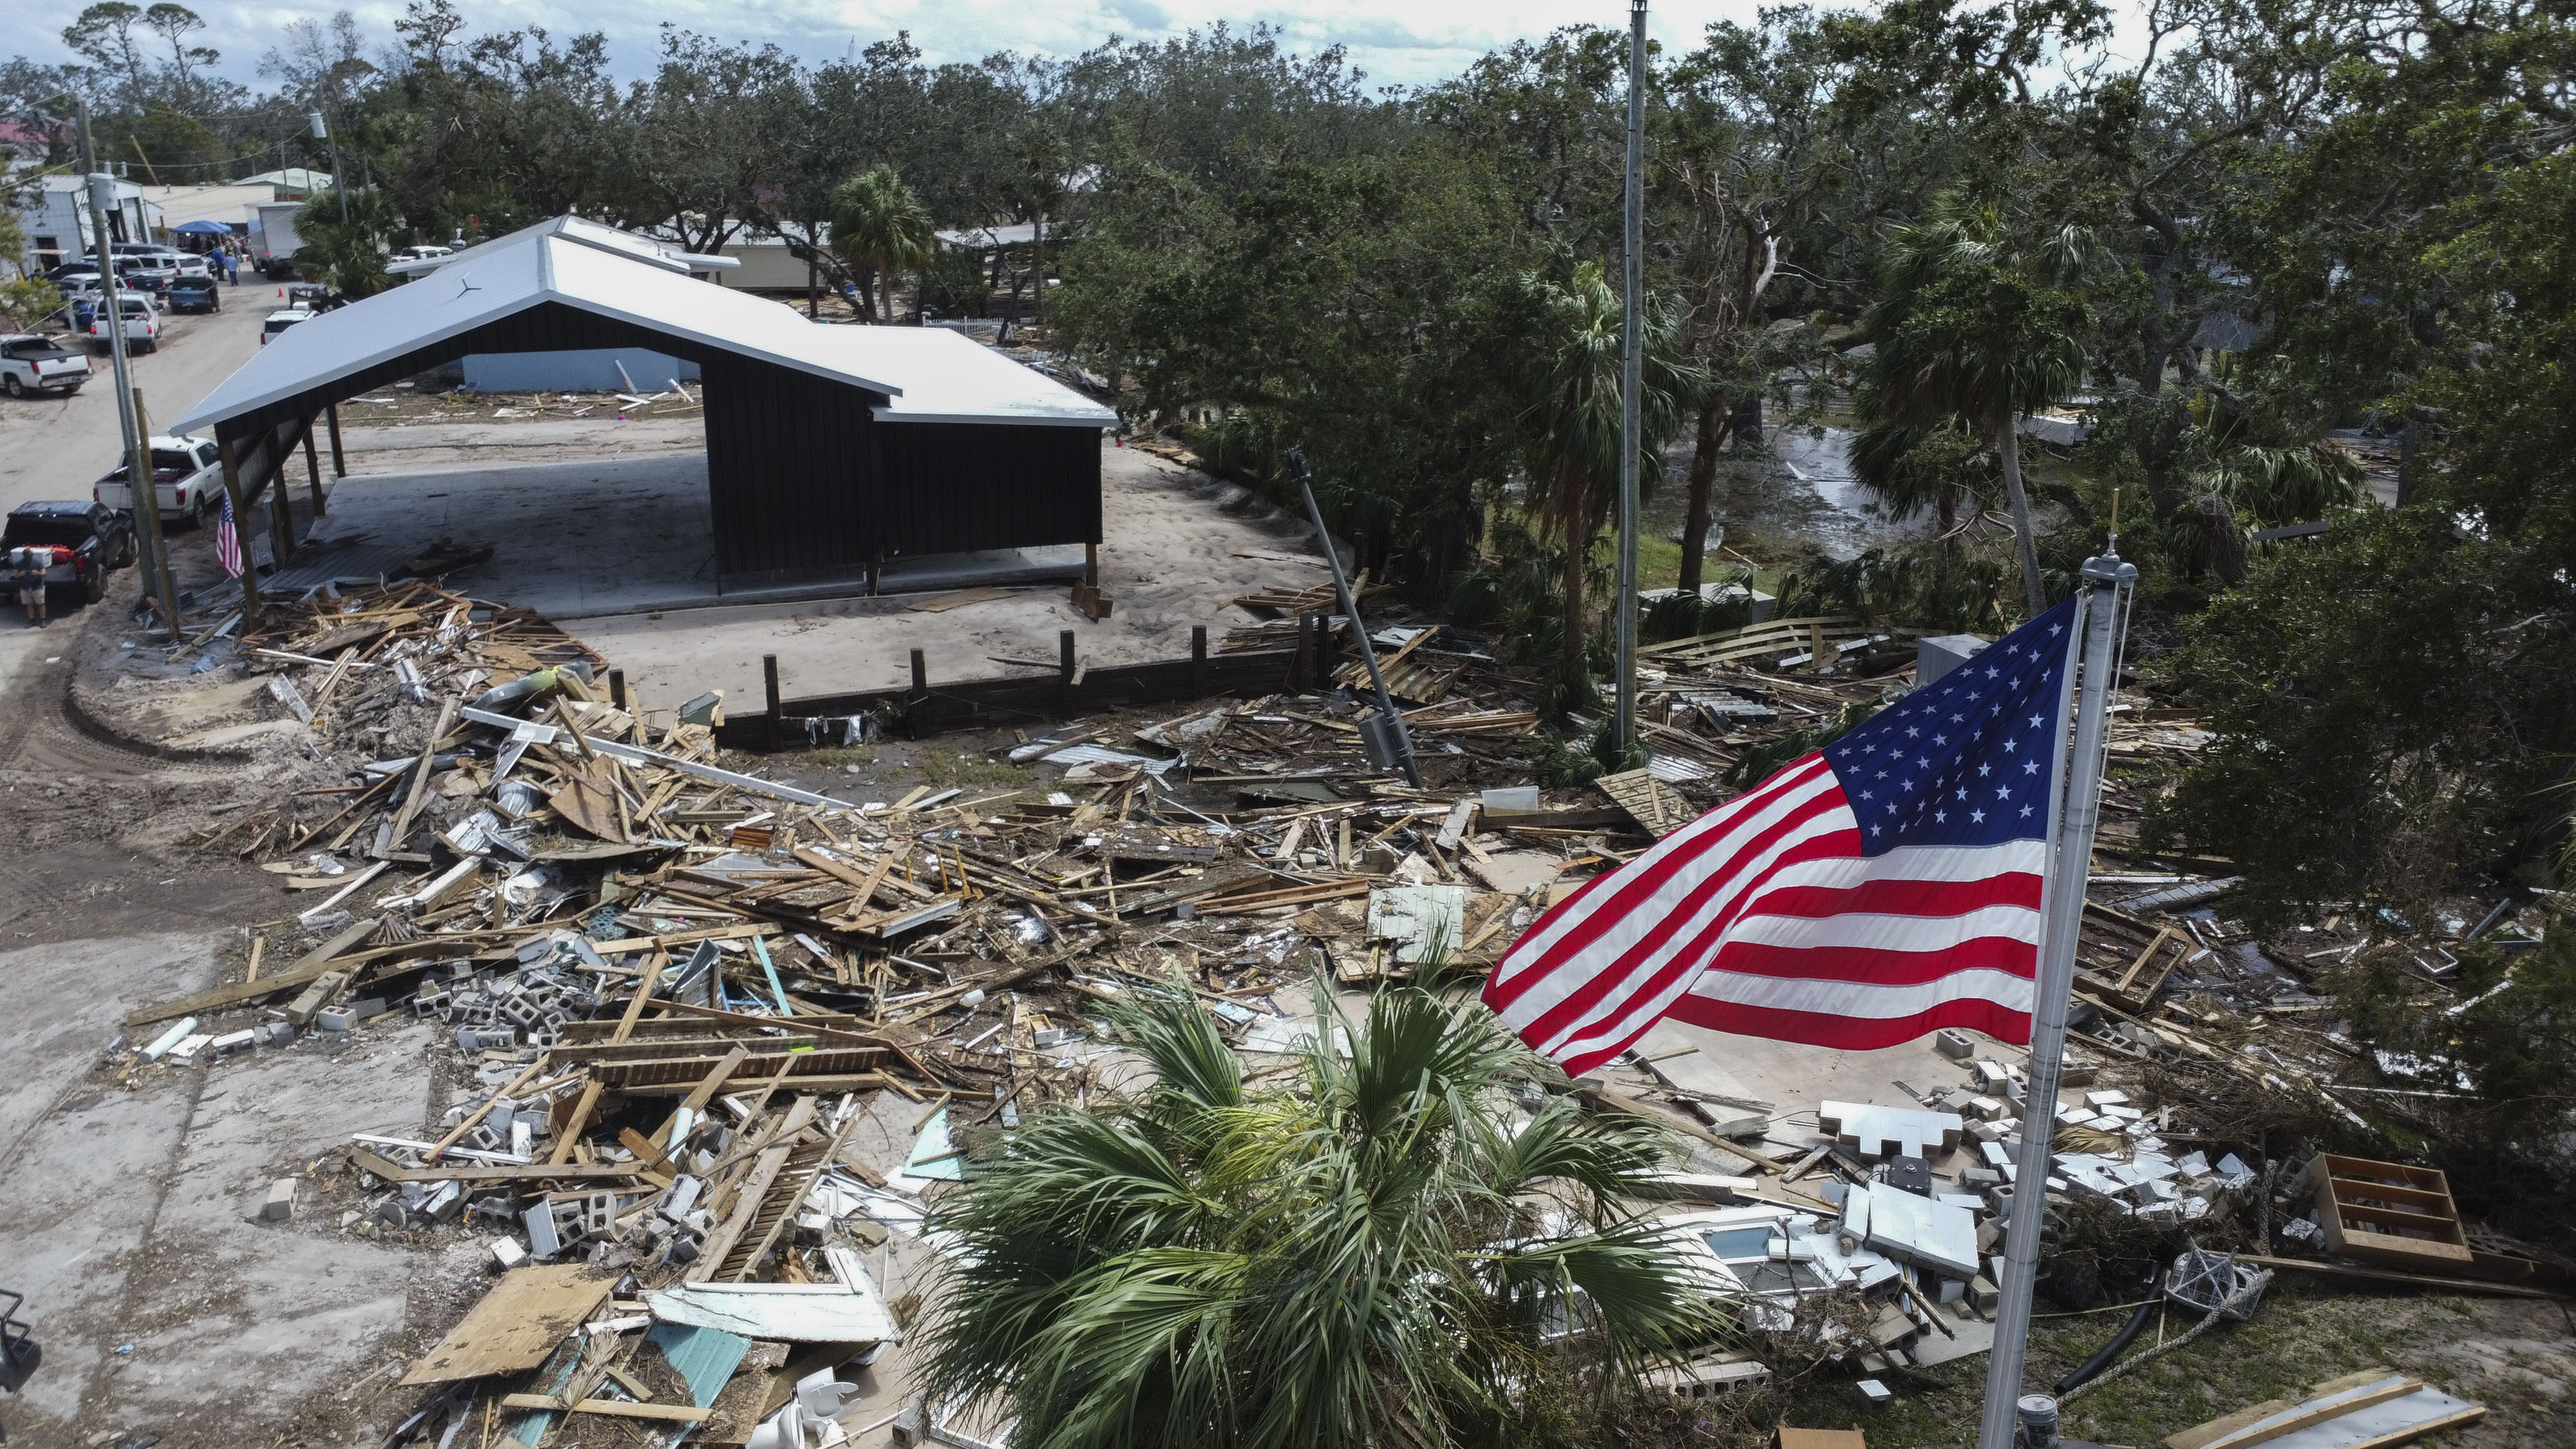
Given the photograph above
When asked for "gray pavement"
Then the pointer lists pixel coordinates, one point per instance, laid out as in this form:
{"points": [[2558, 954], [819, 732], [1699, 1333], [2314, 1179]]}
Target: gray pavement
{"points": [[58, 447]]}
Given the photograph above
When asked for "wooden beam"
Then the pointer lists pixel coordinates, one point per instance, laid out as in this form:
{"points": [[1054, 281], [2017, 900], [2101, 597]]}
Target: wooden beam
{"points": [[304, 972], [313, 468], [619, 1408], [339, 459]]}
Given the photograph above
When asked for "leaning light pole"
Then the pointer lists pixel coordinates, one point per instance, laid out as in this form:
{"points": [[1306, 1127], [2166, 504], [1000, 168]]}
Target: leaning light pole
{"points": [[1624, 733], [138, 446]]}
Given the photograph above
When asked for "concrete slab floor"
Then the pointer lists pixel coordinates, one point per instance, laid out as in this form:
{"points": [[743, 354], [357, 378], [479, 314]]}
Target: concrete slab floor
{"points": [[124, 1212], [614, 547]]}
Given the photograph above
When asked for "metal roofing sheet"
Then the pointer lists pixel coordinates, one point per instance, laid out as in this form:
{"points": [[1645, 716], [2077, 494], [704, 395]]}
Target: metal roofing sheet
{"points": [[564, 261], [949, 377]]}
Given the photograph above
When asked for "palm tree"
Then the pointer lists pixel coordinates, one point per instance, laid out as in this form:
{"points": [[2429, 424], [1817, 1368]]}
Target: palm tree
{"points": [[1572, 418], [881, 229], [1967, 331], [1379, 1252]]}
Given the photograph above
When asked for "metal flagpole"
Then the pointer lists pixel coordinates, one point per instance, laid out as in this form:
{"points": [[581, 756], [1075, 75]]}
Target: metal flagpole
{"points": [[1624, 734], [2076, 809]]}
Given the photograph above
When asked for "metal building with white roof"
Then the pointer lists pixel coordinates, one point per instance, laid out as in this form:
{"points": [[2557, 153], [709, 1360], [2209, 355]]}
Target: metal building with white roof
{"points": [[829, 447]]}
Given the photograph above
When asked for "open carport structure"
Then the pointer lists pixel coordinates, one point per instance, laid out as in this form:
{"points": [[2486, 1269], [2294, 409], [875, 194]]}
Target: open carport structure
{"points": [[830, 449]]}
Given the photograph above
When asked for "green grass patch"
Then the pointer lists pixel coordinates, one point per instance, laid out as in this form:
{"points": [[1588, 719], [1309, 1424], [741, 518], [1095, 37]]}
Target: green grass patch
{"points": [[2304, 1333], [949, 770]]}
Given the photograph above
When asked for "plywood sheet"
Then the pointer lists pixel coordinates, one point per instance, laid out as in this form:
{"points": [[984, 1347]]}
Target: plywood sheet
{"points": [[517, 1324]]}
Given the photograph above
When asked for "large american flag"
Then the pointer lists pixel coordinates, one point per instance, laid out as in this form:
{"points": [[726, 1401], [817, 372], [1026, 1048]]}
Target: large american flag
{"points": [[228, 540], [1882, 887]]}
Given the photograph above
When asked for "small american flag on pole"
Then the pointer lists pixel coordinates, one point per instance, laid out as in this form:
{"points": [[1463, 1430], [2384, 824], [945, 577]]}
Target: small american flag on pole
{"points": [[1880, 888], [228, 541]]}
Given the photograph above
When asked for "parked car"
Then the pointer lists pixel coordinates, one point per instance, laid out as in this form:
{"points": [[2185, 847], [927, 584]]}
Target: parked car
{"points": [[423, 254], [187, 479], [279, 321], [150, 272], [195, 294], [99, 539], [30, 364], [311, 296], [142, 324]]}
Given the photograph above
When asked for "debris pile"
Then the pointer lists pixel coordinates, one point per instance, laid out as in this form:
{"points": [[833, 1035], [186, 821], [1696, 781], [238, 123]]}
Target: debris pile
{"points": [[671, 992]]}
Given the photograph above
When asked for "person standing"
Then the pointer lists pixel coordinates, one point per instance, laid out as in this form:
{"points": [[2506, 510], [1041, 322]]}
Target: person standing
{"points": [[27, 567]]}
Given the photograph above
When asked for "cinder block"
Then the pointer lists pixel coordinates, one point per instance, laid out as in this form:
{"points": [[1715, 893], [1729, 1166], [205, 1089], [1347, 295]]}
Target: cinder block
{"points": [[543, 1240], [281, 1201], [231, 1042], [508, 1253], [1938, 655], [1983, 1295], [308, 1005], [1953, 1043], [335, 1018]]}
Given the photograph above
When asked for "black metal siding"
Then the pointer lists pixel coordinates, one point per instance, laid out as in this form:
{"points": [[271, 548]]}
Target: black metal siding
{"points": [[791, 469], [956, 487]]}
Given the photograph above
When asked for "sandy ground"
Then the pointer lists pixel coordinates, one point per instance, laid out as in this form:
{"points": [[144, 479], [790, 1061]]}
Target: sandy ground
{"points": [[602, 525]]}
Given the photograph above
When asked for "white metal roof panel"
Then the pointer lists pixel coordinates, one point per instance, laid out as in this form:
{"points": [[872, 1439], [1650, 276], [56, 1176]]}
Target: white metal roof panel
{"points": [[949, 377], [536, 265]]}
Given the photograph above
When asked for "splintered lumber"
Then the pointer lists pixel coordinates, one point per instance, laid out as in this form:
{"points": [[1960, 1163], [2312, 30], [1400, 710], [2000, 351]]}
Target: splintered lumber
{"points": [[754, 1189], [392, 1171], [515, 1326], [2373, 1409], [673, 1413], [305, 971], [1650, 802]]}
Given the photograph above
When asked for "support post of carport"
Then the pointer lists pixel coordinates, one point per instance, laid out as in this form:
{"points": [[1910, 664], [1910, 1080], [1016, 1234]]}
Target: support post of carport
{"points": [[769, 692], [241, 529], [281, 513], [339, 458], [1091, 563], [313, 470]]}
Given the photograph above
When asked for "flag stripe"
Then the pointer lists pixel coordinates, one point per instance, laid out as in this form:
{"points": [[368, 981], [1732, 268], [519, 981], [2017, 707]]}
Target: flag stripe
{"points": [[1884, 886], [1656, 942], [1608, 899], [1614, 916], [1846, 1031]]}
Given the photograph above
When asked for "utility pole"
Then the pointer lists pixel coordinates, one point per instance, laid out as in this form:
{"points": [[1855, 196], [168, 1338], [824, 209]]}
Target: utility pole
{"points": [[2075, 808], [138, 447], [339, 183], [1625, 733]]}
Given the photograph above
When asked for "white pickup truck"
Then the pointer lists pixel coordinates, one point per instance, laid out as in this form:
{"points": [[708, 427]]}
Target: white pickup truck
{"points": [[31, 365], [142, 324], [187, 479]]}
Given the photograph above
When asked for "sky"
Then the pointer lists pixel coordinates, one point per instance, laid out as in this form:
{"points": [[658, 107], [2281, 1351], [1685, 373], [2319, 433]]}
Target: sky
{"points": [[1411, 42]]}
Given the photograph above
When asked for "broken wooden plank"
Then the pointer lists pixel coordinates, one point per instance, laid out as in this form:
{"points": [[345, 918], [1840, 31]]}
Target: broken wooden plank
{"points": [[305, 970], [515, 1326], [674, 1413]]}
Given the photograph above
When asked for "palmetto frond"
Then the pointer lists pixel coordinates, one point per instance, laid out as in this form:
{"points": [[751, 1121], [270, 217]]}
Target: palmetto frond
{"points": [[1384, 1250]]}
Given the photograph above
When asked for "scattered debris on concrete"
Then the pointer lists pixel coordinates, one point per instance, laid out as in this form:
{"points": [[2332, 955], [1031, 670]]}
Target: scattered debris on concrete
{"points": [[670, 986]]}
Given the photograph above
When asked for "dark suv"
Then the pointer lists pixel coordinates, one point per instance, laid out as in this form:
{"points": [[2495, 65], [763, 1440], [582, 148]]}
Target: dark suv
{"points": [[99, 537]]}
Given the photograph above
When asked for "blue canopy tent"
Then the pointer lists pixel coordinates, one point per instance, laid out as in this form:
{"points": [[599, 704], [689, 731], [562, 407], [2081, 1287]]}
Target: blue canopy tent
{"points": [[202, 228]]}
